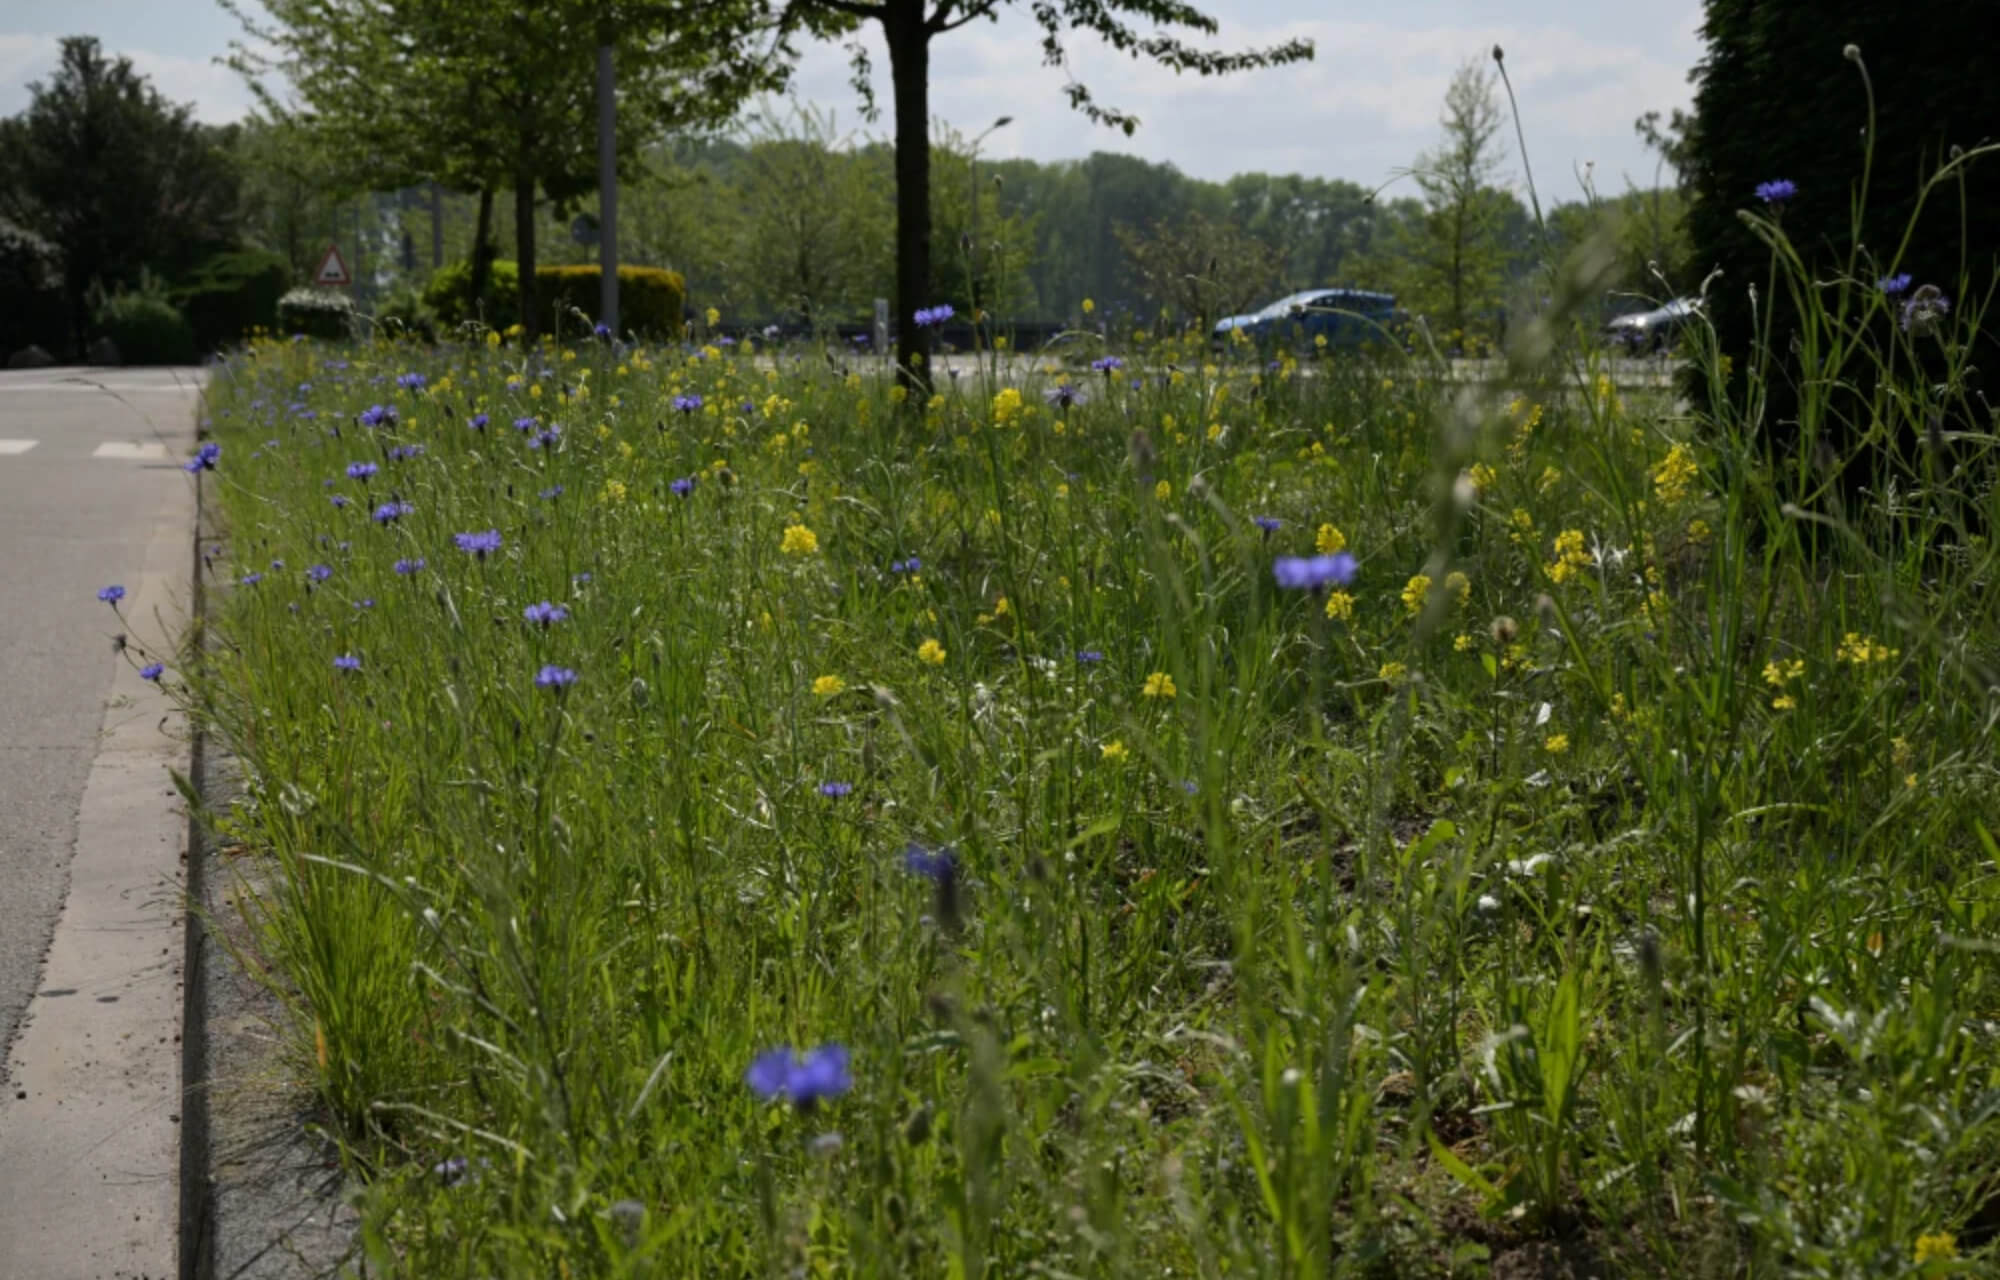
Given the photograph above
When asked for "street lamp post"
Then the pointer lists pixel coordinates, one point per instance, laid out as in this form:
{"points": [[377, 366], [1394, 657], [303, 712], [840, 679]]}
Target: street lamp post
{"points": [[1001, 123]]}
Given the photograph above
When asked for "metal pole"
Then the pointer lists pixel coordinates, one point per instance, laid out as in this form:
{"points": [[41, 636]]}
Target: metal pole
{"points": [[437, 226], [607, 187]]}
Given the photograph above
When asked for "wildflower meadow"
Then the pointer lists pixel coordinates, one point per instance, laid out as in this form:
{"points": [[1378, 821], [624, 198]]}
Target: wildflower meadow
{"points": [[1207, 813]]}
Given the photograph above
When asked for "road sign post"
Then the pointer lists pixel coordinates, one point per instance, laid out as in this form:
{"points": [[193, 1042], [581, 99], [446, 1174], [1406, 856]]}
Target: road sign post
{"points": [[332, 273]]}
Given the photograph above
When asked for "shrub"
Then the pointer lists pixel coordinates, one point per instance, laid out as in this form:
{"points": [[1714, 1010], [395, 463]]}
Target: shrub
{"points": [[405, 314], [449, 295], [233, 292], [317, 313], [649, 299], [36, 310], [147, 329]]}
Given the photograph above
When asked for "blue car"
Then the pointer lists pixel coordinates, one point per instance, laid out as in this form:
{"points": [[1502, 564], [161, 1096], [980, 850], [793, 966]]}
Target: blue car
{"points": [[1346, 318]]}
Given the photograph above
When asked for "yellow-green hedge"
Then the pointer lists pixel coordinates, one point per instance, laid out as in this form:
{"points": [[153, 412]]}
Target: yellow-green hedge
{"points": [[650, 299]]}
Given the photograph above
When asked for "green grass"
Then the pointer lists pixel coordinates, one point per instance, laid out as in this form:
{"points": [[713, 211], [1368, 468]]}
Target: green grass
{"points": [[1525, 915]]}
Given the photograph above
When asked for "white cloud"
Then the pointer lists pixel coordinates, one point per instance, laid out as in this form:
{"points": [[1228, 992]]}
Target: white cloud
{"points": [[217, 93]]}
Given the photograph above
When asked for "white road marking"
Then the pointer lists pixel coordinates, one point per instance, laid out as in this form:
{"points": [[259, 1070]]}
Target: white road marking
{"points": [[17, 446], [131, 451]]}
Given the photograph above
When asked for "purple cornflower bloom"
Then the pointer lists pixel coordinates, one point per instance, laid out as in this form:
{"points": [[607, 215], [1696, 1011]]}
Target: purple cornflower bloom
{"points": [[1090, 657], [319, 573], [347, 662], [1269, 524], [204, 458], [277, 565], [1925, 308], [390, 512], [545, 613], [338, 500], [912, 565], [411, 381], [835, 790], [683, 486], [1107, 364], [379, 415], [402, 451], [939, 865], [804, 1082], [581, 577], [1304, 572], [479, 544], [361, 470], [602, 330], [249, 579], [1894, 285], [552, 676], [552, 492], [929, 317], [478, 421], [1064, 394], [687, 404], [1777, 191], [409, 566], [525, 424], [547, 439], [151, 671], [111, 594], [365, 602]]}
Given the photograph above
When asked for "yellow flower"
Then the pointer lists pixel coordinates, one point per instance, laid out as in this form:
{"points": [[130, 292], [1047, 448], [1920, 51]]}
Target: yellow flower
{"points": [[1319, 340], [1521, 527], [1674, 474], [798, 541], [1392, 671], [714, 317], [1114, 750], [1062, 490], [1001, 608], [1936, 1246], [1415, 592], [1459, 585], [1088, 306], [1330, 540], [1551, 477], [827, 686], [614, 491], [492, 337], [1482, 477], [1006, 406], [535, 391], [1159, 685], [932, 652], [1862, 650], [1556, 743], [1782, 671], [1784, 702], [1339, 606], [1162, 491], [1901, 752], [1463, 643], [1570, 556], [1699, 533]]}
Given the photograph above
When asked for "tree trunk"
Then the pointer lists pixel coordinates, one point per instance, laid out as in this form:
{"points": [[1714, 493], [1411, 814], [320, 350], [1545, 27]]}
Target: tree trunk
{"points": [[524, 252], [483, 252], [909, 71]]}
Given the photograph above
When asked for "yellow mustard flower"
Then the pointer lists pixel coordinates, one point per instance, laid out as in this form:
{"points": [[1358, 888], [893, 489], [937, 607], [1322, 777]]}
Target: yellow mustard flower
{"points": [[1570, 556], [827, 686], [932, 652], [799, 541], [1556, 743], [1006, 406], [1159, 685], [1162, 491], [614, 491], [1936, 1246], [1415, 592], [1329, 540], [1392, 671], [1114, 750], [1482, 477], [1088, 306], [1339, 606], [1861, 650], [1781, 671], [714, 317], [1676, 472], [1463, 643], [1784, 702]]}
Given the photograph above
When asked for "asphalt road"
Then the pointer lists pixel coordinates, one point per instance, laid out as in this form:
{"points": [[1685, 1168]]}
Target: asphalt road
{"points": [[89, 468]]}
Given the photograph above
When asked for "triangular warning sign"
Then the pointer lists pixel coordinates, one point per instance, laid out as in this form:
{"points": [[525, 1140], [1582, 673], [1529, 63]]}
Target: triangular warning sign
{"points": [[332, 268]]}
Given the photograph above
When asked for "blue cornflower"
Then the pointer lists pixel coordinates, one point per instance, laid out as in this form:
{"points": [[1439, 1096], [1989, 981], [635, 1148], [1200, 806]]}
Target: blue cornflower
{"points": [[111, 594], [602, 330], [409, 566], [545, 613], [525, 424], [204, 458], [411, 381], [1304, 572], [1777, 191], [835, 790], [546, 439], [277, 565], [939, 865], [1107, 364], [580, 577], [347, 662], [390, 512], [1090, 657], [479, 544], [550, 493], [1064, 394], [1269, 524], [402, 451], [379, 415], [249, 579], [554, 677], [912, 565], [319, 573], [151, 671], [804, 1082], [687, 404], [338, 500], [1896, 284], [683, 486], [361, 470], [365, 602], [478, 421], [930, 317]]}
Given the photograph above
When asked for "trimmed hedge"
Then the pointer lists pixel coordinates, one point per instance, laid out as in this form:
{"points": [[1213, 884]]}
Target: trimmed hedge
{"points": [[147, 329], [31, 282], [650, 299], [232, 293], [317, 313]]}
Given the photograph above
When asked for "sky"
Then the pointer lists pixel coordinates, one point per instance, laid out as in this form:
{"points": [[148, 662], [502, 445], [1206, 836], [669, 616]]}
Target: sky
{"points": [[1363, 109]]}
